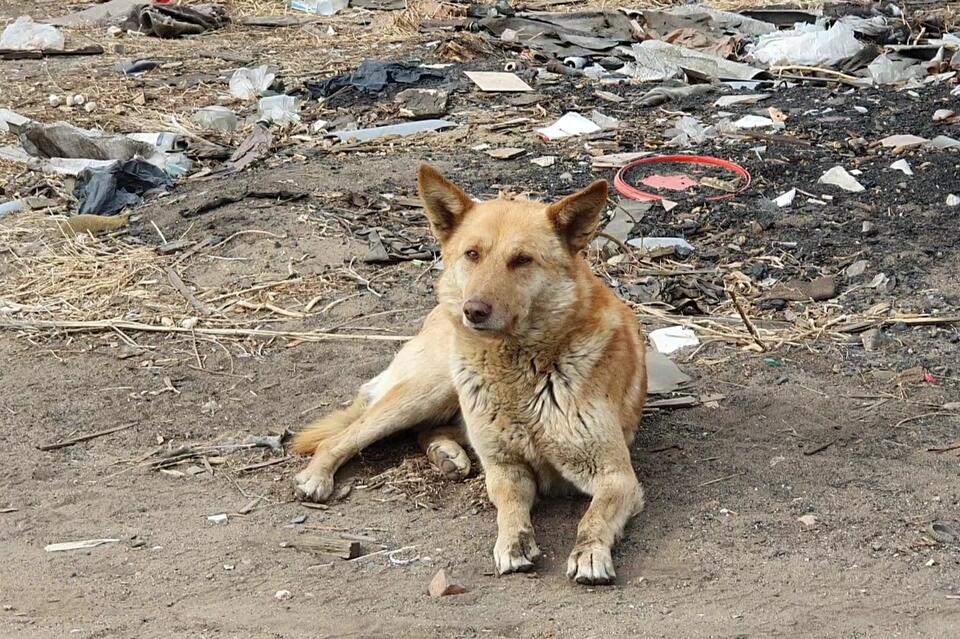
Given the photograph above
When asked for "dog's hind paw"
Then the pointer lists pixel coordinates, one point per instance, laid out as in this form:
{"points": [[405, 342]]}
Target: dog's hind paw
{"points": [[515, 554], [450, 459], [312, 487], [591, 565]]}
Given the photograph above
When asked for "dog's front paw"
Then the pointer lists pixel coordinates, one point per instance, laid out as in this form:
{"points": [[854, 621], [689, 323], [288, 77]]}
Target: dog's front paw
{"points": [[450, 459], [591, 564], [312, 486], [515, 553]]}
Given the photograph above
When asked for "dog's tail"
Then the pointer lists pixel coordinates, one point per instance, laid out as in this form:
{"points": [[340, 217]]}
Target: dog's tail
{"points": [[307, 440]]}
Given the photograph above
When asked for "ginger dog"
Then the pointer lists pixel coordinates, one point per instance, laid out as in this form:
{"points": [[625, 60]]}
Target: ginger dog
{"points": [[528, 354]]}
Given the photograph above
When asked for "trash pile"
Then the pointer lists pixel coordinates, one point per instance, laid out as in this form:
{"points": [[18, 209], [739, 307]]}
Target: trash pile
{"points": [[718, 129]]}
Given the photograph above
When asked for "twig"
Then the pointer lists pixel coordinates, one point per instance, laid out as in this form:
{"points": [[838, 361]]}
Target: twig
{"points": [[84, 438], [821, 447], [944, 449], [188, 295], [109, 325], [746, 320], [258, 466], [383, 552], [916, 417], [717, 481]]}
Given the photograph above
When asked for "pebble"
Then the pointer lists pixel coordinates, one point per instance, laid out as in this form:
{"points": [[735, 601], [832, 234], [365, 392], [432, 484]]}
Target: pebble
{"points": [[283, 595], [90, 107], [79, 99], [941, 115], [54, 100], [868, 228], [857, 269], [871, 340], [953, 200], [442, 585]]}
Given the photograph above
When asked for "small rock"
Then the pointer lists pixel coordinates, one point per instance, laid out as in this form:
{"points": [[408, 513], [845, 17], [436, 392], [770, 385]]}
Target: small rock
{"points": [[808, 520], [376, 251], [189, 323], [299, 519], [876, 545], [283, 595], [114, 32], [70, 101], [942, 115], [953, 200], [218, 519], [508, 153], [857, 269], [422, 103], [442, 585], [79, 99], [90, 107], [930, 563], [53, 100], [951, 406], [868, 228], [566, 177], [871, 340]]}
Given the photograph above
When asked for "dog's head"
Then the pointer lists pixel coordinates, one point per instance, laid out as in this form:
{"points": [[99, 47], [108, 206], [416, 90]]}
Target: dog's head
{"points": [[510, 265]]}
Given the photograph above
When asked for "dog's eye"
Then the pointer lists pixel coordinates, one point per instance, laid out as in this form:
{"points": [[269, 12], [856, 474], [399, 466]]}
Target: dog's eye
{"points": [[521, 260], [472, 255]]}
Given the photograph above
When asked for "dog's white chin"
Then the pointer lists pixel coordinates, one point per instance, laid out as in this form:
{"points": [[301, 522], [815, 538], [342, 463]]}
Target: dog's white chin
{"points": [[481, 328]]}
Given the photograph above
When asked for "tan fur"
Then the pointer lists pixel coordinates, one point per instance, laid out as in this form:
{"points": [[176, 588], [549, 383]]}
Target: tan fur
{"points": [[548, 375]]}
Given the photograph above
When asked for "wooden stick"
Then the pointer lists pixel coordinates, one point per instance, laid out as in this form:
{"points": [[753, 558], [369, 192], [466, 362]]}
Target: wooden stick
{"points": [[270, 462], [188, 295], [746, 320], [84, 438], [916, 417], [716, 481], [343, 548], [109, 325]]}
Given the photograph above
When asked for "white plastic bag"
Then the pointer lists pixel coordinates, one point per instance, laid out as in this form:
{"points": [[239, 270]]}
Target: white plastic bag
{"points": [[25, 34], [807, 45], [247, 84], [321, 7], [279, 109]]}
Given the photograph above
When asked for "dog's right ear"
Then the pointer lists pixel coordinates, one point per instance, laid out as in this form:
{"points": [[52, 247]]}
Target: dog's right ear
{"points": [[446, 203]]}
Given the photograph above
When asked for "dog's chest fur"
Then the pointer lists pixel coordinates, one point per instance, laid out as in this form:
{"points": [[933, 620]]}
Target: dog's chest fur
{"points": [[520, 400]]}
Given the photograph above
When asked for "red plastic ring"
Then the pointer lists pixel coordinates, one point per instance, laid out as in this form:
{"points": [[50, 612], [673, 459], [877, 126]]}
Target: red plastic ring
{"points": [[633, 193]]}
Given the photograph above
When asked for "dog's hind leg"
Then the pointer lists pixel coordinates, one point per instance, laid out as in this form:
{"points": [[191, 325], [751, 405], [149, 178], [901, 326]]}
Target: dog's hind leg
{"points": [[416, 389], [444, 447]]}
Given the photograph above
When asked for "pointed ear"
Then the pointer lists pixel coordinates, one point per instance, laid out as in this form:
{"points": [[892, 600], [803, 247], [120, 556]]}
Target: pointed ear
{"points": [[446, 203], [577, 216]]}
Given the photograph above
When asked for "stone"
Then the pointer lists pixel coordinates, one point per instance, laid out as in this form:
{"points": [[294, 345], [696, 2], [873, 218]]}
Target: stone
{"points": [[442, 585]]}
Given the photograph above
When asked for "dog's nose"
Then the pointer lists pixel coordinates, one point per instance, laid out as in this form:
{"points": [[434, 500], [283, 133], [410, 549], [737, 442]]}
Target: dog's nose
{"points": [[476, 311]]}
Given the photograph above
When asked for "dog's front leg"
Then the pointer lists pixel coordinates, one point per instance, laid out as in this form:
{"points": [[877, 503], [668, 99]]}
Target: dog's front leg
{"points": [[512, 490], [617, 496]]}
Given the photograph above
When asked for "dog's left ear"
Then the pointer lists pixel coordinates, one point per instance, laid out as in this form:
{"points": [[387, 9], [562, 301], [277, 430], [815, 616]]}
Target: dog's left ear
{"points": [[577, 216]]}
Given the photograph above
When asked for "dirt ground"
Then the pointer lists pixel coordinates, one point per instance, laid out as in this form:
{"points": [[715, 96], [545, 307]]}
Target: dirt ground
{"points": [[816, 426]]}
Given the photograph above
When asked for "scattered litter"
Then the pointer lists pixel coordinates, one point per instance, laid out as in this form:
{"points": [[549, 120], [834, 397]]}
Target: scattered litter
{"points": [[12, 206], [753, 122], [808, 520], [605, 122], [902, 165], [320, 7], [278, 109], [856, 269], [110, 190], [822, 288], [885, 71], [571, 124], [400, 130], [98, 15], [216, 118], [942, 142], [283, 595], [656, 61], [373, 76], [247, 84], [747, 98], [498, 81], [442, 585], [943, 115], [422, 103], [92, 224], [673, 338], [175, 20], [299, 519], [663, 376], [630, 176], [839, 177], [24, 34], [544, 161], [79, 545], [218, 519], [507, 153], [676, 245], [806, 45], [785, 199], [902, 141]]}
